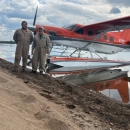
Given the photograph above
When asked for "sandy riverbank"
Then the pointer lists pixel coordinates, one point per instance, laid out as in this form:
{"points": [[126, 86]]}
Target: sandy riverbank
{"points": [[39, 102]]}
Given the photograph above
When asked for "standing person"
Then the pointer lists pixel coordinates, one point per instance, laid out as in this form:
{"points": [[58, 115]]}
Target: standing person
{"points": [[40, 47], [23, 38]]}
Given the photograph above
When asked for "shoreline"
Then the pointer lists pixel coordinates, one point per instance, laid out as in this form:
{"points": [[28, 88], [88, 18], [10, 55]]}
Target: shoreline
{"points": [[81, 103]]}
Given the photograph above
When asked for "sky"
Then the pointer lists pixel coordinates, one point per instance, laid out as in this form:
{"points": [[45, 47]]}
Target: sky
{"points": [[58, 13]]}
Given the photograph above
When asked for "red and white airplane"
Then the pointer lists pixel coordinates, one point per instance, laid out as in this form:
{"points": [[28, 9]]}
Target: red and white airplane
{"points": [[107, 37], [99, 37]]}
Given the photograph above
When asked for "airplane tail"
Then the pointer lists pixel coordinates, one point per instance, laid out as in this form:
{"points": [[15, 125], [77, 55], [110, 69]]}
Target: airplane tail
{"points": [[120, 84], [123, 35]]}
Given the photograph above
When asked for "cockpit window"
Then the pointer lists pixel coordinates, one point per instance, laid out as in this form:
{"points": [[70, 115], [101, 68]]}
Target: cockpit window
{"points": [[78, 30], [69, 27]]}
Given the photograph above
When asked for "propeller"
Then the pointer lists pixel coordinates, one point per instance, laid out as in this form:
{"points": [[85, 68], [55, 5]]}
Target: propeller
{"points": [[33, 29], [35, 17]]}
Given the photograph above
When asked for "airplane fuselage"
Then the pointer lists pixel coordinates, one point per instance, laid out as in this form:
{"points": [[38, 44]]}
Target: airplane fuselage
{"points": [[77, 37]]}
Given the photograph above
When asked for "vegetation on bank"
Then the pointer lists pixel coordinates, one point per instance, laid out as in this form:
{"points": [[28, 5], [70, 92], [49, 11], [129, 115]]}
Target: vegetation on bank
{"points": [[7, 42]]}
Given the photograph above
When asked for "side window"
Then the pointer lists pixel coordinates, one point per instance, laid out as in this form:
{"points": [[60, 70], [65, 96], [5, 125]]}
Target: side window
{"points": [[101, 86], [107, 85], [111, 39], [79, 30], [90, 33], [105, 37]]}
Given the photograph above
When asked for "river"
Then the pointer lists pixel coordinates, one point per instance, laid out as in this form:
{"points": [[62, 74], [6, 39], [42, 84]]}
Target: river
{"points": [[7, 52]]}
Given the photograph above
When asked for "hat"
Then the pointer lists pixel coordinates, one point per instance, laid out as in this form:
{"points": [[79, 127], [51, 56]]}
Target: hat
{"points": [[41, 28]]}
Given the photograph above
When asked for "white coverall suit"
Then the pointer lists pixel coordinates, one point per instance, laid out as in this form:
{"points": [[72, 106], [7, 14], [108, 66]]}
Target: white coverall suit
{"points": [[40, 47]]}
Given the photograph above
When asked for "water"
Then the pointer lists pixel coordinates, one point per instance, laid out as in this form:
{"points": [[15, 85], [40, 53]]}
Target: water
{"points": [[119, 92], [7, 52], [115, 88]]}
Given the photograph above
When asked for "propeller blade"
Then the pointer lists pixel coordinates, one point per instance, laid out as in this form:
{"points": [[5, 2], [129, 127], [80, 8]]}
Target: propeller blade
{"points": [[35, 17]]}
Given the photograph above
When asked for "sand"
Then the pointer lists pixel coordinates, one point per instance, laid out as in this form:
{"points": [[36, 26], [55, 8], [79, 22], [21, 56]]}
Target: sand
{"points": [[22, 108], [39, 102]]}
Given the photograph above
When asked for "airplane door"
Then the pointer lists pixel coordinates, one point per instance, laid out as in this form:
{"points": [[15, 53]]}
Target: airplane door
{"points": [[78, 34]]}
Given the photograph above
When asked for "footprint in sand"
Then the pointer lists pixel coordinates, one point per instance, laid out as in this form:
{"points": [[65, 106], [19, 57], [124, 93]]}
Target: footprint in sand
{"points": [[55, 124], [29, 99], [16, 93], [22, 95]]}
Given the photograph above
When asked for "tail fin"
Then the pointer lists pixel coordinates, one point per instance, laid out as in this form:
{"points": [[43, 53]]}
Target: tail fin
{"points": [[120, 84], [123, 35]]}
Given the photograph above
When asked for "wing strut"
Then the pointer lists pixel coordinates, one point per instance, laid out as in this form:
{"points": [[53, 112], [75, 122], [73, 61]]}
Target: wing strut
{"points": [[63, 51], [73, 52], [79, 53], [91, 54], [99, 55]]}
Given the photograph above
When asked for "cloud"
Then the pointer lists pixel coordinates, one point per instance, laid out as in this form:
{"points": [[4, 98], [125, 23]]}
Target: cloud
{"points": [[76, 1], [57, 13], [42, 1], [5, 33], [115, 10], [119, 2]]}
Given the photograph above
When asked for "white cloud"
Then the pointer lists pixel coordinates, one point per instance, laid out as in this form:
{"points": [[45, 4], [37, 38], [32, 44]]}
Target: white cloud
{"points": [[57, 12]]}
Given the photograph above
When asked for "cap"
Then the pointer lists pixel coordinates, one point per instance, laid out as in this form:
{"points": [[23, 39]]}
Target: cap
{"points": [[41, 28]]}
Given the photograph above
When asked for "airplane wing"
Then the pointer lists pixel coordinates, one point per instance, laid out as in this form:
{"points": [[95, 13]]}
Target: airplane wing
{"points": [[115, 24], [103, 27]]}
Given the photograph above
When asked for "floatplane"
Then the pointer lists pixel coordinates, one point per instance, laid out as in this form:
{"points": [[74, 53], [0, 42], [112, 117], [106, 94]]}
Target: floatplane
{"points": [[98, 37], [107, 37]]}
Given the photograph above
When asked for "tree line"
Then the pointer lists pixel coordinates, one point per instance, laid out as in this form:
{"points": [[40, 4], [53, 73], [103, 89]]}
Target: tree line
{"points": [[7, 42]]}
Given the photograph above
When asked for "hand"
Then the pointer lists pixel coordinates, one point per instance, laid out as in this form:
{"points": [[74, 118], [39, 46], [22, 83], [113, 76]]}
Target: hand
{"points": [[47, 51]]}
